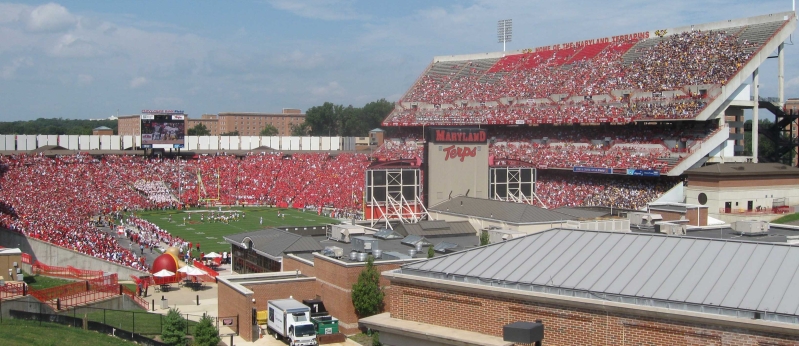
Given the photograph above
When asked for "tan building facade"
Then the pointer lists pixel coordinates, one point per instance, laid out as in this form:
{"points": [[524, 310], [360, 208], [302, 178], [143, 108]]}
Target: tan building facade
{"points": [[129, 125], [746, 189], [247, 124], [251, 124]]}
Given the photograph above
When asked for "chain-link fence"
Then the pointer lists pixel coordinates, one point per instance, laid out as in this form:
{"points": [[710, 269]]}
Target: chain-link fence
{"points": [[133, 322]]}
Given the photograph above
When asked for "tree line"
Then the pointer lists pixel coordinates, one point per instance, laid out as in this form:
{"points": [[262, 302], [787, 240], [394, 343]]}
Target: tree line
{"points": [[54, 126], [329, 119]]}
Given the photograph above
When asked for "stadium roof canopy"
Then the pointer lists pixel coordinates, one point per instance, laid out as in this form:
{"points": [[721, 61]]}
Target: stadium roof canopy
{"points": [[731, 278]]}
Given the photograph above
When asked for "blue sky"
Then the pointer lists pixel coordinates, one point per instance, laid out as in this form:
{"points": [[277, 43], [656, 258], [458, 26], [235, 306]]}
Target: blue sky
{"points": [[88, 59]]}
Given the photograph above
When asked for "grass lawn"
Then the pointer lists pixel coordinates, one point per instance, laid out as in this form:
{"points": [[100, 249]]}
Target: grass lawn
{"points": [[137, 321], [209, 234], [24, 333], [38, 282], [787, 218]]}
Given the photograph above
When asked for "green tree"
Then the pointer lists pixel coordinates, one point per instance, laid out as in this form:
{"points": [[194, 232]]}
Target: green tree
{"points": [[232, 133], [55, 126], [375, 112], [269, 130], [484, 238], [430, 252], [198, 130], [299, 129], [205, 333], [174, 328], [324, 120], [367, 295], [766, 147]]}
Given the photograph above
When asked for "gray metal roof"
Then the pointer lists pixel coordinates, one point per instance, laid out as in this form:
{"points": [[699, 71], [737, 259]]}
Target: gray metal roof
{"points": [[733, 278], [436, 228], [499, 210], [581, 213], [743, 169], [275, 242], [413, 239]]}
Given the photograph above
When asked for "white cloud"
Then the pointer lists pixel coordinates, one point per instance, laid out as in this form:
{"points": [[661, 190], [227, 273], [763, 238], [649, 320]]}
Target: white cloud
{"points": [[50, 18], [84, 79], [331, 89], [137, 82], [70, 45], [11, 69], [11, 12], [320, 9]]}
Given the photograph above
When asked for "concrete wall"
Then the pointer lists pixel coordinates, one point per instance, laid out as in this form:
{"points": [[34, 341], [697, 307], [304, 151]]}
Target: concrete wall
{"points": [[457, 175], [57, 256]]}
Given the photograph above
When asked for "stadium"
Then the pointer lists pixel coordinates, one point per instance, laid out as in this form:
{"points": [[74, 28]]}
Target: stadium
{"points": [[609, 123]]}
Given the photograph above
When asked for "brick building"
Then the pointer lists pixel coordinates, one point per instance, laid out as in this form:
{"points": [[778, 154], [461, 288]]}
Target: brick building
{"points": [[324, 278], [251, 124], [102, 131], [299, 257], [598, 288], [129, 125], [211, 122]]}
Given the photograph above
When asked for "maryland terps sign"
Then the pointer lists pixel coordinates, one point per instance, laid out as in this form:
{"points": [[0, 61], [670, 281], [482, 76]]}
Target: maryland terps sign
{"points": [[460, 135], [461, 153]]}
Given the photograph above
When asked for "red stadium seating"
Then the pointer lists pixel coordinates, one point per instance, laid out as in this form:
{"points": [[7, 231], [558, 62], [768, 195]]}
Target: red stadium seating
{"points": [[554, 78]]}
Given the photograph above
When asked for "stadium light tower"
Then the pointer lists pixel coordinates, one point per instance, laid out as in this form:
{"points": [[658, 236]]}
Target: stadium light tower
{"points": [[504, 31]]}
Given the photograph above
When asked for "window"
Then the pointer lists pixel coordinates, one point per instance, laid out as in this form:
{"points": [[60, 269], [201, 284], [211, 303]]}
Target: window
{"points": [[271, 314]]}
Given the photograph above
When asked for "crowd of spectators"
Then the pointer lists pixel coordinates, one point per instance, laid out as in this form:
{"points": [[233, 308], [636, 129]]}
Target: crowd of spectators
{"points": [[620, 147], [689, 58], [568, 156], [586, 111], [574, 189], [398, 149], [156, 191], [57, 201]]}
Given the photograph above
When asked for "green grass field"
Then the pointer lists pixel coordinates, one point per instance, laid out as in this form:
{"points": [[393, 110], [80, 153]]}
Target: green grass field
{"points": [[210, 234], [787, 218], [137, 321], [24, 333], [38, 282]]}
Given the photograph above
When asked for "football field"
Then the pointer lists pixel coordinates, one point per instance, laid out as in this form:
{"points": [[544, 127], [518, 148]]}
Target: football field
{"points": [[209, 234]]}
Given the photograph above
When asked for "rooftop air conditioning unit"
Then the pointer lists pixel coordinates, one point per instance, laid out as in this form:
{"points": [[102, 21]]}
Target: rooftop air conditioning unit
{"points": [[364, 244], [750, 227]]}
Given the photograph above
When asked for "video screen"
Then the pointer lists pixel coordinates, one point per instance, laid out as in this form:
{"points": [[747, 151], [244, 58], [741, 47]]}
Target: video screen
{"points": [[162, 131]]}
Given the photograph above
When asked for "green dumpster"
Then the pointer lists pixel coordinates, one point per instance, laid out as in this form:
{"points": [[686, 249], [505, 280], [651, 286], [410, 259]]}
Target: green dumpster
{"points": [[325, 325]]}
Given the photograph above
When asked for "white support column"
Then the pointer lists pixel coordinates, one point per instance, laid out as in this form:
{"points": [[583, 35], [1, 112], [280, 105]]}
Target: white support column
{"points": [[755, 115], [781, 73]]}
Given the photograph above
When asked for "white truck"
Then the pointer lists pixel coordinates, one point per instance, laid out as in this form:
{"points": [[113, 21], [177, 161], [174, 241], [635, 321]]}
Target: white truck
{"points": [[290, 319]]}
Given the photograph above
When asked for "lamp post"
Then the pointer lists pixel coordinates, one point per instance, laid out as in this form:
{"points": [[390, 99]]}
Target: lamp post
{"points": [[504, 31]]}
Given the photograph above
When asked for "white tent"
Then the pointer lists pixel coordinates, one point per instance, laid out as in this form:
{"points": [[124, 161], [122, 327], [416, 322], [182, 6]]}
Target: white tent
{"points": [[213, 255], [163, 273], [192, 271]]}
